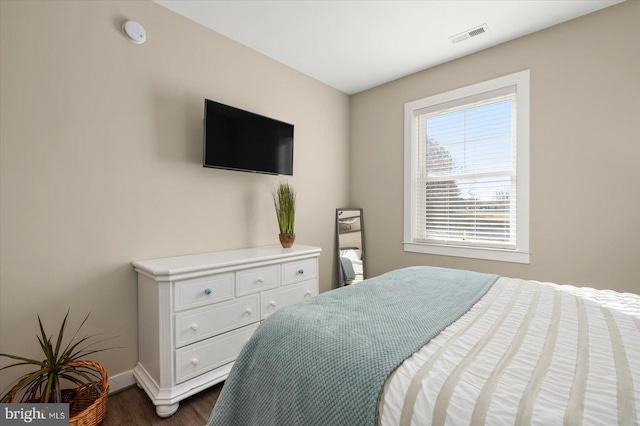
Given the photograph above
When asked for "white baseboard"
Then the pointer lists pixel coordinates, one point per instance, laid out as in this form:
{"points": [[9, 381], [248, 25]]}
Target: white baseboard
{"points": [[121, 381]]}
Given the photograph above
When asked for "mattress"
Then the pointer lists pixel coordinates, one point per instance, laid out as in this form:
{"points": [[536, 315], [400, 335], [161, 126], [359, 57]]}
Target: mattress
{"points": [[526, 353]]}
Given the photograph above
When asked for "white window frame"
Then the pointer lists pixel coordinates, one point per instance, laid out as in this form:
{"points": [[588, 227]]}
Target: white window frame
{"points": [[521, 252]]}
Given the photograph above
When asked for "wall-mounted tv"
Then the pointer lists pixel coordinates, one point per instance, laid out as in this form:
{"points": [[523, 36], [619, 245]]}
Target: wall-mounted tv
{"points": [[235, 139]]}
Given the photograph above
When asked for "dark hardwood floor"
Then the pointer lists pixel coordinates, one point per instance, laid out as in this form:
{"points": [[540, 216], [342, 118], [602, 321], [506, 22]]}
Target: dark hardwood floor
{"points": [[133, 407]]}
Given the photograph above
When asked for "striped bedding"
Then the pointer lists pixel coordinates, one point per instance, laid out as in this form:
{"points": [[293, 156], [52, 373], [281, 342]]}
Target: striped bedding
{"points": [[526, 353]]}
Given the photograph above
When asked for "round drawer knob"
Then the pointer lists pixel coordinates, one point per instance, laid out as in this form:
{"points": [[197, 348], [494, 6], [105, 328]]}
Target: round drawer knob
{"points": [[194, 326], [308, 293], [194, 361], [207, 291], [249, 310], [260, 280], [301, 271], [272, 303]]}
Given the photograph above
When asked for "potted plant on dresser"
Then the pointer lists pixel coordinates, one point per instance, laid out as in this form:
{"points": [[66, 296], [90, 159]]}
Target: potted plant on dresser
{"points": [[284, 199], [63, 365]]}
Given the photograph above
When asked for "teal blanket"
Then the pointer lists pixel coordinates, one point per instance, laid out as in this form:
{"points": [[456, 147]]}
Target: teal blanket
{"points": [[324, 361]]}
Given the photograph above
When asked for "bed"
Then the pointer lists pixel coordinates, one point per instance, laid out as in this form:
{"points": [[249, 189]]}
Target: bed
{"points": [[435, 346], [351, 265]]}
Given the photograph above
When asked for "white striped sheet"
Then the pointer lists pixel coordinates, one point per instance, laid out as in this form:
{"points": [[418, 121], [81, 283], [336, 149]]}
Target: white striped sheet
{"points": [[467, 391], [600, 397], [506, 401], [481, 409], [541, 359], [601, 392], [557, 383], [452, 357], [631, 343], [625, 386], [627, 303], [401, 379]]}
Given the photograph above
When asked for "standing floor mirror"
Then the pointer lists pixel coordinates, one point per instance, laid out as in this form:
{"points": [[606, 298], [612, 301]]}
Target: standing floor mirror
{"points": [[350, 240]]}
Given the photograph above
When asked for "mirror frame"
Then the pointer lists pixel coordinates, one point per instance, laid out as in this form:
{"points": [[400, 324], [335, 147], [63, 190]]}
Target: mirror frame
{"points": [[362, 243]]}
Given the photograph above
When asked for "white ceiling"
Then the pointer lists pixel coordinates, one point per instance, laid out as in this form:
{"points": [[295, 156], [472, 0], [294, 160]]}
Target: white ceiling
{"points": [[353, 45]]}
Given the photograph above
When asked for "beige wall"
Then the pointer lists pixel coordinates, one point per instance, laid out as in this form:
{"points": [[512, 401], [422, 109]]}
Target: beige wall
{"points": [[585, 151], [101, 160]]}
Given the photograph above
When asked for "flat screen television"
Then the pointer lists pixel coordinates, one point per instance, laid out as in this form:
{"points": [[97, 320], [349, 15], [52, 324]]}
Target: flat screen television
{"points": [[235, 139]]}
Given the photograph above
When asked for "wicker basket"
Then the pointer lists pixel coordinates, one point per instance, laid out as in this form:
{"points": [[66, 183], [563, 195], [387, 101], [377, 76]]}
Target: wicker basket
{"points": [[90, 405]]}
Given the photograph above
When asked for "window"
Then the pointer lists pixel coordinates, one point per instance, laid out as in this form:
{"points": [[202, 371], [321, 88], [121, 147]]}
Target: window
{"points": [[467, 171]]}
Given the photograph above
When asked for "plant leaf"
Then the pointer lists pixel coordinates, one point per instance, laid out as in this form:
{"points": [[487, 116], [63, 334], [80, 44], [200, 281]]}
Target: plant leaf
{"points": [[61, 333], [24, 382], [76, 333], [27, 361]]}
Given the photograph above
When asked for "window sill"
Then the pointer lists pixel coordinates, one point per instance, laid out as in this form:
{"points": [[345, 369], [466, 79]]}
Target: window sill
{"points": [[499, 255]]}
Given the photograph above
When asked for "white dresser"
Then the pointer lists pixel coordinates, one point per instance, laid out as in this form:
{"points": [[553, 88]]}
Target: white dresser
{"points": [[196, 312]]}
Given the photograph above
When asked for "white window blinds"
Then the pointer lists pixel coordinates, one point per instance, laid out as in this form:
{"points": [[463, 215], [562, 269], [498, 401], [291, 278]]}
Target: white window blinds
{"points": [[465, 171]]}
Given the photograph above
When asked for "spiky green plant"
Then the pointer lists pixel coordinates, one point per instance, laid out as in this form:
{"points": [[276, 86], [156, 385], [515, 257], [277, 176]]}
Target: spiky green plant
{"points": [[44, 384], [284, 199]]}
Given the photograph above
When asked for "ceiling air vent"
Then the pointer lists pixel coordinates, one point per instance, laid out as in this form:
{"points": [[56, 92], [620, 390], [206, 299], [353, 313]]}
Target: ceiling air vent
{"points": [[469, 33]]}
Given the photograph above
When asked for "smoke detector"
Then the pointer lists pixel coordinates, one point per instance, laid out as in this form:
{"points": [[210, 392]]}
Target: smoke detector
{"points": [[134, 32], [469, 33]]}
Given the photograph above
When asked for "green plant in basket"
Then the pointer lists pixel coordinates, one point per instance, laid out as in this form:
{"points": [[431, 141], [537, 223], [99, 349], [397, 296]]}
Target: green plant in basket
{"points": [[60, 365], [284, 199]]}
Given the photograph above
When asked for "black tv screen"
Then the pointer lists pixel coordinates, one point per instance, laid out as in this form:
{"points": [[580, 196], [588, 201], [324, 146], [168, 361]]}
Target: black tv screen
{"points": [[241, 140]]}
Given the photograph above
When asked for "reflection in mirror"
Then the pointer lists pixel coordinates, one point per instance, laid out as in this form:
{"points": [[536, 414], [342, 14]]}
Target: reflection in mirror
{"points": [[350, 240]]}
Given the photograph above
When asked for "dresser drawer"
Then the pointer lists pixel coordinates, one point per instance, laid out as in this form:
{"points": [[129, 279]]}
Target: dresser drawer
{"points": [[300, 270], [193, 360], [202, 323], [257, 279], [272, 300], [202, 291]]}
